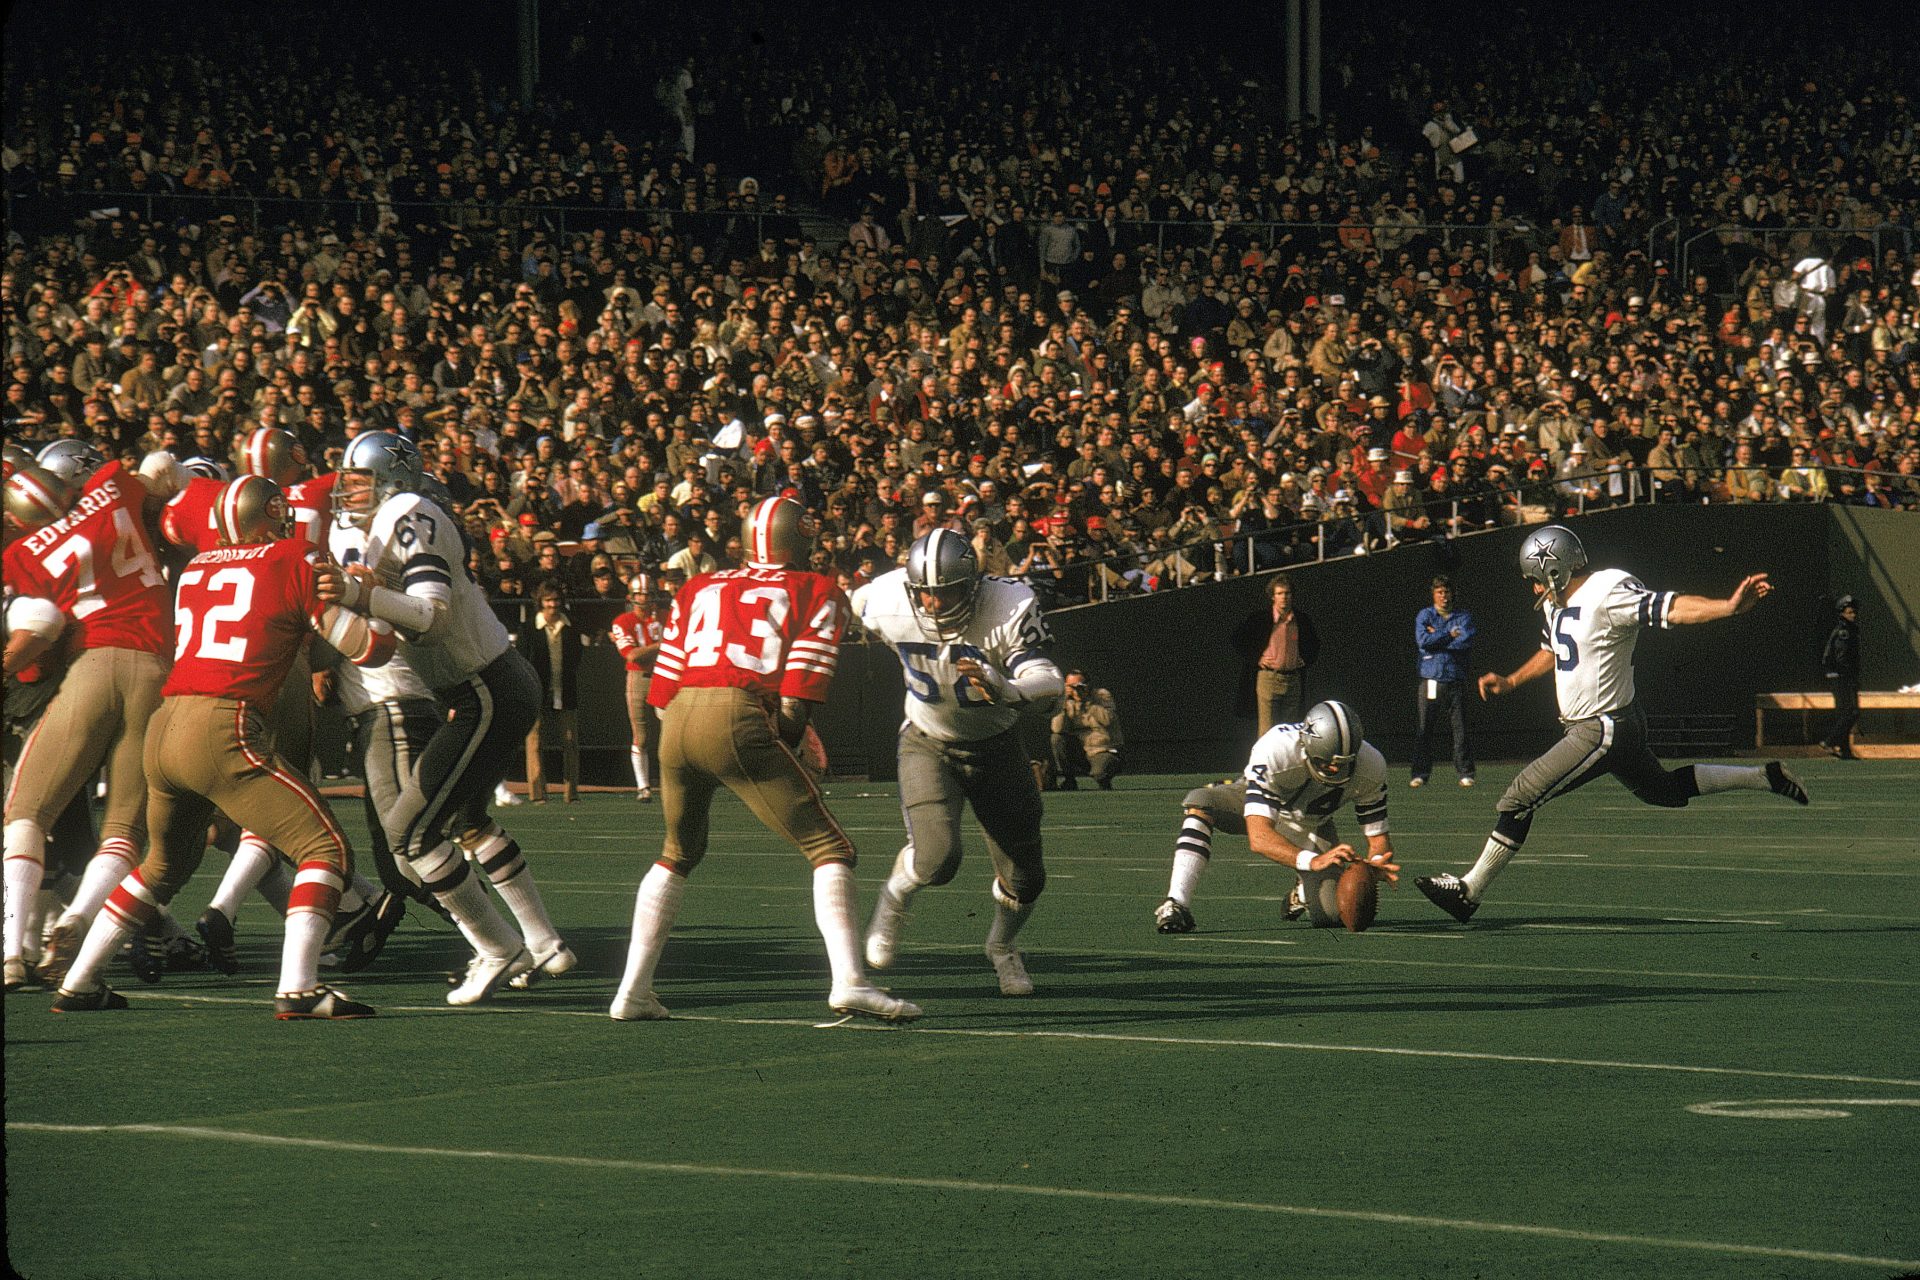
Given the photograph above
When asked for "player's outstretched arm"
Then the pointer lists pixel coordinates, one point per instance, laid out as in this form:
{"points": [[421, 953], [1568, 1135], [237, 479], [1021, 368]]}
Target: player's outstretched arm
{"points": [[1492, 684], [1689, 609]]}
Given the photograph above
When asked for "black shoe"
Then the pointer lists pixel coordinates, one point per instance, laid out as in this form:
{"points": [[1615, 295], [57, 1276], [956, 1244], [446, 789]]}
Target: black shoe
{"points": [[147, 966], [1449, 893], [217, 932], [1067, 784], [345, 926], [319, 1003], [363, 941], [183, 955], [101, 997], [1173, 917], [1782, 783], [1106, 784]]}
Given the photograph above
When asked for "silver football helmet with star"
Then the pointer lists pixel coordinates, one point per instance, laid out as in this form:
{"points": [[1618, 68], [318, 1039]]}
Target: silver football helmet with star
{"points": [[378, 464], [942, 568], [1552, 557], [1331, 736]]}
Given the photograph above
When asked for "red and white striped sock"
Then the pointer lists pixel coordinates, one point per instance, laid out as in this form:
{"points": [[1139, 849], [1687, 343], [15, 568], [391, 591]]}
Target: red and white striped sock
{"points": [[108, 867], [130, 905], [310, 908]]}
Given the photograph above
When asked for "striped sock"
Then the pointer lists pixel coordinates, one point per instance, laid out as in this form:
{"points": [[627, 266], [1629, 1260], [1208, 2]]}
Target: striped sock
{"points": [[1497, 852], [130, 905], [444, 872], [654, 908], [498, 854], [107, 868], [1191, 850], [1009, 916], [310, 907]]}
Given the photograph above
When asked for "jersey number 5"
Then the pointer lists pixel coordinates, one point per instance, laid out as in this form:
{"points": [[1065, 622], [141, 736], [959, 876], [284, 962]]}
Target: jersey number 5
{"points": [[1566, 654], [212, 646]]}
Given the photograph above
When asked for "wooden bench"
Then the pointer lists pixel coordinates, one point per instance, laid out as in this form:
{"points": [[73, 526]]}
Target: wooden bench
{"points": [[1807, 703]]}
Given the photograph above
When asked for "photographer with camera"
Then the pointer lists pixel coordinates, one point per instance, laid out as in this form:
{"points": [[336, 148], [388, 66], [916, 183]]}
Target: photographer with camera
{"points": [[1086, 735]]}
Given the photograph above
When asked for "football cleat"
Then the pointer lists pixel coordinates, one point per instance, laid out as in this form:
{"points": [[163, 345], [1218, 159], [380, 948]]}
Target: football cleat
{"points": [[546, 964], [317, 1004], [217, 932], [183, 954], [148, 966], [1172, 917], [16, 973], [872, 1002], [641, 1008], [345, 925], [63, 946], [101, 997], [1782, 783], [485, 974], [1011, 970], [1296, 903], [1449, 893], [644, 795], [883, 935], [367, 935]]}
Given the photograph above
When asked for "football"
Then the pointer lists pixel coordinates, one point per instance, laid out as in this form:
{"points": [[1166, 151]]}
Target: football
{"points": [[1359, 896]]}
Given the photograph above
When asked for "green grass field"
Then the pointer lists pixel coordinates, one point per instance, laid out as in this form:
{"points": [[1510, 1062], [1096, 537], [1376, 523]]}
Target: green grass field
{"points": [[1672, 1044]]}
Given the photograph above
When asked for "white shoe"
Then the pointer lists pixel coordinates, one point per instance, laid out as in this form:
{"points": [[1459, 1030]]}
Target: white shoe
{"points": [[1012, 971], [644, 795], [641, 1008], [505, 798], [883, 935], [874, 1003], [546, 964], [486, 973], [1416, 783], [1466, 782]]}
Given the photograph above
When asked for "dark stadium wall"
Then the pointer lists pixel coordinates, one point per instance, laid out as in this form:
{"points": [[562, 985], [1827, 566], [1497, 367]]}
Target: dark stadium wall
{"points": [[1168, 660]]}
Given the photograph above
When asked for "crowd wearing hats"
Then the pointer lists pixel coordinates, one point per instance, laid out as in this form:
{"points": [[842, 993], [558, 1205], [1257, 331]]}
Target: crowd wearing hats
{"points": [[1123, 341]]}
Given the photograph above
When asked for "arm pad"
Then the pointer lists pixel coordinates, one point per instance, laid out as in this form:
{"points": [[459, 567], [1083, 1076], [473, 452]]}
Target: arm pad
{"points": [[415, 614], [1038, 680], [365, 642], [162, 473]]}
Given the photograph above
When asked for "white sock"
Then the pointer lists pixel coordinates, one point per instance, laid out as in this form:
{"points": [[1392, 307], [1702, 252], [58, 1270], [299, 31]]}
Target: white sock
{"points": [[499, 856], [300, 952], [246, 870], [104, 939], [46, 903], [1008, 917], [654, 908], [276, 886], [1729, 777], [902, 882], [23, 877], [640, 778], [1191, 850], [105, 870], [1494, 855], [833, 913]]}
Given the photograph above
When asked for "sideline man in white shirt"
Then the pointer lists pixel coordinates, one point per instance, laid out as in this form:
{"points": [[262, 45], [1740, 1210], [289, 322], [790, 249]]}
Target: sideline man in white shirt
{"points": [[1296, 780], [1593, 619]]}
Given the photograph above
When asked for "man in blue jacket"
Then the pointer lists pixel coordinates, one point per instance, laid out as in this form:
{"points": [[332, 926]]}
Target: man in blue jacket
{"points": [[1443, 634]]}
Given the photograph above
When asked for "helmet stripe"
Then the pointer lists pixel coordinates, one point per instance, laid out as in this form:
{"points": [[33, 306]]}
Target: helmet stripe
{"points": [[1345, 745]]}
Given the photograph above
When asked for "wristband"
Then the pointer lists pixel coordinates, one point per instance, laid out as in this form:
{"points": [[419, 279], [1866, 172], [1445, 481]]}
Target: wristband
{"points": [[1303, 860]]}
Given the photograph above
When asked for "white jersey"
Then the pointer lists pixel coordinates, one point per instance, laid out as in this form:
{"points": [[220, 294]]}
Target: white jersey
{"points": [[1281, 787], [415, 547], [360, 687], [1005, 633], [1592, 640]]}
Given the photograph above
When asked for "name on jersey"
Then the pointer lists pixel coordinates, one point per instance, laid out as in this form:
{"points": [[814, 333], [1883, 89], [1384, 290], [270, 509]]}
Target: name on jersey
{"points": [[227, 555], [97, 499]]}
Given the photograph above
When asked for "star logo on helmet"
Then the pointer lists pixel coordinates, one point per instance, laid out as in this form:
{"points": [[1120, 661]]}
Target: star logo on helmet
{"points": [[1541, 554], [1308, 732]]}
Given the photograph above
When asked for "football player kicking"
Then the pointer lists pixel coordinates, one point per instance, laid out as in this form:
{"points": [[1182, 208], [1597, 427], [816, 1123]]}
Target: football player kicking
{"points": [[242, 612], [747, 652], [1592, 620], [1297, 778], [976, 653], [413, 574]]}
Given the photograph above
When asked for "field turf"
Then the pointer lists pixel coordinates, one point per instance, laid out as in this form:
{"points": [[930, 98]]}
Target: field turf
{"points": [[1672, 1044]]}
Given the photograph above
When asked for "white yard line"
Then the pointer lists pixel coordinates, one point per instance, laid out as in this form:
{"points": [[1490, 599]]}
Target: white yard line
{"points": [[1111, 1037], [1421, 1222]]}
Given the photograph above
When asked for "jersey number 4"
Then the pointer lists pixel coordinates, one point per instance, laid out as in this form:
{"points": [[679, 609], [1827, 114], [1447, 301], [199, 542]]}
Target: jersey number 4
{"points": [[239, 582], [765, 611]]}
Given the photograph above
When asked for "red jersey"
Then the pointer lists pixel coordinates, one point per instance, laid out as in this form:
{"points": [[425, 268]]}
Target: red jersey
{"points": [[632, 632], [240, 617], [312, 504], [97, 564], [187, 520], [773, 631]]}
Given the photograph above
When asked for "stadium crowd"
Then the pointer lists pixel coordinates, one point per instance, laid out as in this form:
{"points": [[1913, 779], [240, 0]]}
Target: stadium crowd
{"points": [[1122, 334]]}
